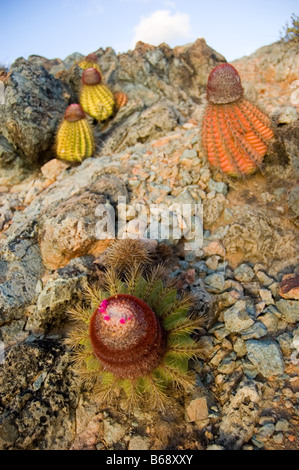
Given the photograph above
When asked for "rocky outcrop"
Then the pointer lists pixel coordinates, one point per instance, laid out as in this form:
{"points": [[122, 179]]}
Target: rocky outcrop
{"points": [[273, 70], [241, 272]]}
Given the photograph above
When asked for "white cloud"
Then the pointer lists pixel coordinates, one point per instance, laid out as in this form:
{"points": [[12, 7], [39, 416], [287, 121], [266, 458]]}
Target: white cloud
{"points": [[162, 26]]}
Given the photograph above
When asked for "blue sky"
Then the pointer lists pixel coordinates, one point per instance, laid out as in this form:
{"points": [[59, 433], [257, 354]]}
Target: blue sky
{"points": [[58, 28]]}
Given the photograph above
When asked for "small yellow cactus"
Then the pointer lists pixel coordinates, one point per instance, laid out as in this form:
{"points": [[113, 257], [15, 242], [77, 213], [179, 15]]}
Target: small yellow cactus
{"points": [[74, 140], [90, 61], [95, 98]]}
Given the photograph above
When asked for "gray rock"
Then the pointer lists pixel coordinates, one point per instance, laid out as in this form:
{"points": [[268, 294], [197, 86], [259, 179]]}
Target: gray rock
{"points": [[190, 256], [282, 425], [278, 438], [228, 298], [14, 332], [285, 342], [200, 267], [34, 104], [217, 186], [264, 279], [239, 417], [212, 210], [39, 61], [215, 281], [69, 230], [183, 264], [40, 395], [253, 234], [287, 115], [185, 197], [7, 151], [51, 306], [257, 442], [266, 296], [140, 125], [249, 369], [239, 317], [212, 262], [266, 356], [20, 267], [189, 154], [270, 320], [227, 365], [113, 432], [139, 443], [257, 330], [289, 309], [296, 338], [71, 59], [219, 331], [239, 347], [266, 431], [197, 409]]}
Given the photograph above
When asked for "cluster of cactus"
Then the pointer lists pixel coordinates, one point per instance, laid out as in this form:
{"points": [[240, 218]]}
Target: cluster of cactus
{"points": [[74, 140], [235, 132], [133, 339]]}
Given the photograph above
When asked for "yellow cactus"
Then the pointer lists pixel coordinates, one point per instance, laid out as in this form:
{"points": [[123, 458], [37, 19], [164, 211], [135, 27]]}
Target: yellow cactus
{"points": [[90, 61], [74, 141], [95, 98]]}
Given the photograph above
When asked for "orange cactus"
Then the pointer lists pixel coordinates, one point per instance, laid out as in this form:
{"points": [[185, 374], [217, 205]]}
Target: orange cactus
{"points": [[235, 132], [121, 99]]}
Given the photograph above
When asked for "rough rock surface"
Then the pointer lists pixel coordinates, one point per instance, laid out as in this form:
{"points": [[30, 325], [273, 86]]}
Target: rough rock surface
{"points": [[34, 104], [150, 153]]}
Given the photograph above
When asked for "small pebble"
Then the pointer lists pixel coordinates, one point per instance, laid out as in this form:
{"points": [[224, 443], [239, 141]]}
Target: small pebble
{"points": [[240, 347], [244, 273], [278, 438], [212, 262], [266, 296], [218, 187], [257, 330], [264, 279], [190, 154], [227, 366], [215, 447], [282, 425], [266, 431], [215, 281]]}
